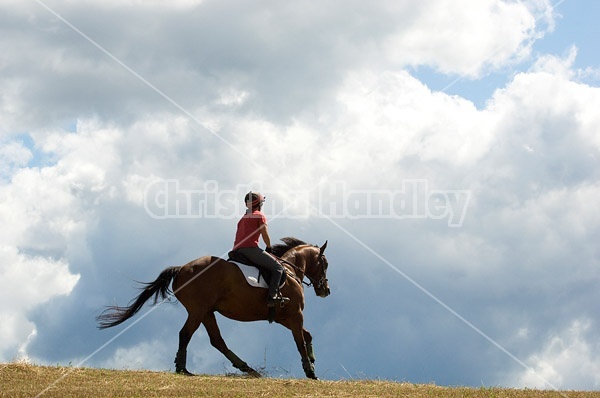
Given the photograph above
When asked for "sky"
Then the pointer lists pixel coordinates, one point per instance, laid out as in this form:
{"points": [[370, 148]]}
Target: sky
{"points": [[447, 151]]}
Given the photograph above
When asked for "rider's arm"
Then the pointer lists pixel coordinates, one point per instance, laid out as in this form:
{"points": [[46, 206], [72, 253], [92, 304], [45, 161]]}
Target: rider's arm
{"points": [[265, 234]]}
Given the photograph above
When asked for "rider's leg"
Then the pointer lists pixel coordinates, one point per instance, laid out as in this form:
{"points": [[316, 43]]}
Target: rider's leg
{"points": [[264, 260]]}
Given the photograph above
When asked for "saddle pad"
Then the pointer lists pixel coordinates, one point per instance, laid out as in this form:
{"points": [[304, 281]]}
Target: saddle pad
{"points": [[252, 275]]}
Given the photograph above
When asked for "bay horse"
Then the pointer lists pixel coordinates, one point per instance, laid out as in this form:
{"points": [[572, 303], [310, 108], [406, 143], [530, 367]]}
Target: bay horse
{"points": [[211, 284]]}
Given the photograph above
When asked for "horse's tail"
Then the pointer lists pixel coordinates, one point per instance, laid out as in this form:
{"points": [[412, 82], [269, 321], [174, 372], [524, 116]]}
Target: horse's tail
{"points": [[114, 315]]}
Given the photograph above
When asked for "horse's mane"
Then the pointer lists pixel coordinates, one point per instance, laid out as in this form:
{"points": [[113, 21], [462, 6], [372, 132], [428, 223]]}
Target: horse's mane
{"points": [[288, 243]]}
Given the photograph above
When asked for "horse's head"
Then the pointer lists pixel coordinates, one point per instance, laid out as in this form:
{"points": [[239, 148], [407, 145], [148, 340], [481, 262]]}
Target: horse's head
{"points": [[306, 260], [316, 271]]}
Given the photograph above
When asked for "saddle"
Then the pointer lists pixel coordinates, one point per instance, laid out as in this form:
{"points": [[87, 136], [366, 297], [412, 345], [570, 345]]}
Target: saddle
{"points": [[237, 257]]}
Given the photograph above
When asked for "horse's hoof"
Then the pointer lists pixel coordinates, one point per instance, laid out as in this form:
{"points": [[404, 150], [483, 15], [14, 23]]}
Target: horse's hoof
{"points": [[249, 371], [254, 373], [310, 373], [309, 369], [184, 372]]}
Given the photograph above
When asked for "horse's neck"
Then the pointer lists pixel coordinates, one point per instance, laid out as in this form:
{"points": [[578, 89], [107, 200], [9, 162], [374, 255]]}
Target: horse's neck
{"points": [[300, 259], [296, 258]]}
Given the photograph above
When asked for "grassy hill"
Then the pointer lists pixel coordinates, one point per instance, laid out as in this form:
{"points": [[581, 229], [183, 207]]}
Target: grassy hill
{"points": [[23, 380]]}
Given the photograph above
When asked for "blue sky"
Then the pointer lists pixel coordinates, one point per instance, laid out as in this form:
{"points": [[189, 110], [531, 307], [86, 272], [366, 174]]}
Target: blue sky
{"points": [[448, 151]]}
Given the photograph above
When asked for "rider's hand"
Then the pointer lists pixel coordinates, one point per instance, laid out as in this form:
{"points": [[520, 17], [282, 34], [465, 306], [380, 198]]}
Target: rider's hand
{"points": [[269, 249]]}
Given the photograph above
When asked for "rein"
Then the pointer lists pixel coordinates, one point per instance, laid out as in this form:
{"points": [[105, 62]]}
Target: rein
{"points": [[294, 266], [297, 269]]}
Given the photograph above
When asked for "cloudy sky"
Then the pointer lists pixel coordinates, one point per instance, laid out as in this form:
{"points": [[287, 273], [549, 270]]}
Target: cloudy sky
{"points": [[448, 150]]}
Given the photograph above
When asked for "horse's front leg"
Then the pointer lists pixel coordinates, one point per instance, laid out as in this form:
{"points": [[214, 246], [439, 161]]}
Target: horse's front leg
{"points": [[299, 333], [309, 347]]}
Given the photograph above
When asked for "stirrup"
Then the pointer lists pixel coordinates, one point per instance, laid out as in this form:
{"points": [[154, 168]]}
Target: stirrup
{"points": [[271, 301]]}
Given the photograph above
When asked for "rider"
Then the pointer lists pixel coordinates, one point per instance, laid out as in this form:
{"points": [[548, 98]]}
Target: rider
{"points": [[250, 227]]}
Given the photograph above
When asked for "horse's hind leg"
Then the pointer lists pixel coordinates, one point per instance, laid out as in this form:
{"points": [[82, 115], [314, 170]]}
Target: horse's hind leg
{"points": [[185, 335], [214, 334]]}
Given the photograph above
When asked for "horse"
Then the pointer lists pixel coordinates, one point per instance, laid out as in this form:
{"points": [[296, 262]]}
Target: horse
{"points": [[211, 284]]}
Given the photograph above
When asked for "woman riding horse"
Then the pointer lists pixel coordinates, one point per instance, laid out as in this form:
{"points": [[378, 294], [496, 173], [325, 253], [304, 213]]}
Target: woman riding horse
{"points": [[252, 225], [210, 284]]}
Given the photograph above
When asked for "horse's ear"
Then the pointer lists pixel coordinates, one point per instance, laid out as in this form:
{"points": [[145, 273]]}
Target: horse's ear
{"points": [[323, 248]]}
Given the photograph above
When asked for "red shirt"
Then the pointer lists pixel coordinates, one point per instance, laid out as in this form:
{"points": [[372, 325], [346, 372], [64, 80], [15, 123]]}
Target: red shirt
{"points": [[248, 229]]}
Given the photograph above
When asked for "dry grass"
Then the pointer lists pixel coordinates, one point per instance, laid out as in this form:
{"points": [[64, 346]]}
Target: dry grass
{"points": [[24, 380]]}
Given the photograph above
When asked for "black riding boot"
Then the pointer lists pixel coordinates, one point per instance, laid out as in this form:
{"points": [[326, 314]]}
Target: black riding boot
{"points": [[274, 295]]}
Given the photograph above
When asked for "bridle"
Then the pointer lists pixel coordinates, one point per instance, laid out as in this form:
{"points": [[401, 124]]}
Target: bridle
{"points": [[321, 283]]}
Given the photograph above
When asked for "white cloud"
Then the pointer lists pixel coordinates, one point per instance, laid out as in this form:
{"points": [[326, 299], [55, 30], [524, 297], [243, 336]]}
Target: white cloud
{"points": [[555, 65], [66, 77], [468, 37], [47, 205], [26, 282], [13, 155], [567, 360], [144, 355], [395, 116], [47, 213]]}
